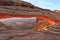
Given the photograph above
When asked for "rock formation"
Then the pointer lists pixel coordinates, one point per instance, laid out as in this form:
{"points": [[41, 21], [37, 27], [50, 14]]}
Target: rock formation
{"points": [[11, 8], [2, 26], [24, 9], [57, 11]]}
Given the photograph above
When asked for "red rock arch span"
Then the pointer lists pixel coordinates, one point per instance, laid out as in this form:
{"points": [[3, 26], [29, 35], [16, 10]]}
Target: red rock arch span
{"points": [[51, 21]]}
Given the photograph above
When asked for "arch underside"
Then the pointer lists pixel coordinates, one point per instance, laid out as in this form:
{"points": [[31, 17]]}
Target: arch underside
{"points": [[45, 18]]}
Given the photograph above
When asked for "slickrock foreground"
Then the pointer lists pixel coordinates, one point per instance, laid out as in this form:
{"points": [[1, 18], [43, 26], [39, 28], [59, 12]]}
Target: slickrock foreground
{"points": [[9, 7]]}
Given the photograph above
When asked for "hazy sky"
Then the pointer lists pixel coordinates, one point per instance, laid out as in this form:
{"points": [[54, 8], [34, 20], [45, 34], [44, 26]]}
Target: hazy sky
{"points": [[49, 4]]}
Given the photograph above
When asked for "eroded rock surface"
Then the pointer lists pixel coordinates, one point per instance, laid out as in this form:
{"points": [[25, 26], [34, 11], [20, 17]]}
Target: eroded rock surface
{"points": [[24, 8]]}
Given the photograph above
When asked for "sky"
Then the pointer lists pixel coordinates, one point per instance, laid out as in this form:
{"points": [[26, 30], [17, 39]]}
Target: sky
{"points": [[46, 4]]}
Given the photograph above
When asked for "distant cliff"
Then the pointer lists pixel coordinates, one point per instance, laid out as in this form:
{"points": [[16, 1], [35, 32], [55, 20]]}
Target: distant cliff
{"points": [[57, 11]]}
